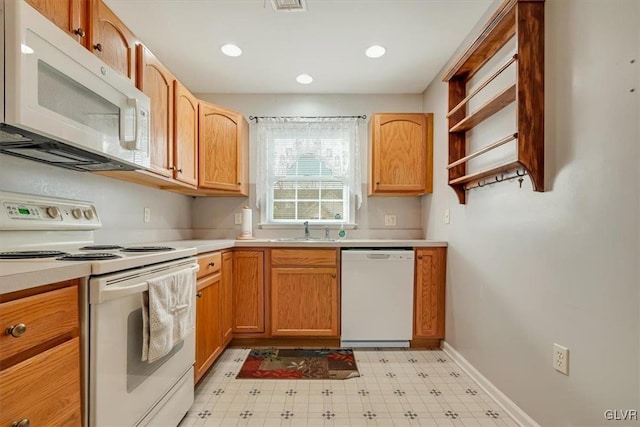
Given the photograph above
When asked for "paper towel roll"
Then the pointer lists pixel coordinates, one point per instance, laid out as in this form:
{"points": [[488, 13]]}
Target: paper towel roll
{"points": [[246, 222]]}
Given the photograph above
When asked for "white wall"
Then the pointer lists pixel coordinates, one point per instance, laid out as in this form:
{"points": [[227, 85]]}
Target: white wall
{"points": [[213, 217], [529, 269], [120, 204]]}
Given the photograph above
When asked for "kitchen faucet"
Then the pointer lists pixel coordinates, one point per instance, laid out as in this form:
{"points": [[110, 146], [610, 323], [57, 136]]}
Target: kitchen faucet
{"points": [[307, 236]]}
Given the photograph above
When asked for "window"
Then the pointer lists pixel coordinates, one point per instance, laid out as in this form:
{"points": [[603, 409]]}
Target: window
{"points": [[309, 192], [308, 170]]}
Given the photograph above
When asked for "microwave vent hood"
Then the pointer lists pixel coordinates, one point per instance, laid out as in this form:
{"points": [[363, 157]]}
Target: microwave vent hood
{"points": [[27, 145]]}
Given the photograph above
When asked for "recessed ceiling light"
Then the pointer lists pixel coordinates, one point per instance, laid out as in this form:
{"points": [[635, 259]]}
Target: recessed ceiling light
{"points": [[375, 51], [231, 50], [304, 79]]}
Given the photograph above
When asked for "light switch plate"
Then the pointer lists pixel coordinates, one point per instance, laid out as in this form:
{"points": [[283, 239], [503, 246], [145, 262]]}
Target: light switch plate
{"points": [[447, 216], [237, 219], [147, 215]]}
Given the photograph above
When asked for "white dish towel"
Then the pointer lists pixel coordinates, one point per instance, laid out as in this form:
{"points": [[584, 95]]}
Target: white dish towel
{"points": [[168, 313]]}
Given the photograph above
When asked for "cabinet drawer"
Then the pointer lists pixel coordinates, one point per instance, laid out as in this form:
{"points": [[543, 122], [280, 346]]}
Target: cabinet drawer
{"points": [[46, 316], [304, 257], [44, 389], [209, 263]]}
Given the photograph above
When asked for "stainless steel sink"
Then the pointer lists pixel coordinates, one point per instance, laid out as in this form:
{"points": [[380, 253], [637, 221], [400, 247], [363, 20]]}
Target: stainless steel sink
{"points": [[301, 240]]}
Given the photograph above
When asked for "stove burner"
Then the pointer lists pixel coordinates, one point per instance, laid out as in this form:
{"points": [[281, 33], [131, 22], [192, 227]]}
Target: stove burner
{"points": [[148, 249], [30, 254], [100, 247], [88, 257]]}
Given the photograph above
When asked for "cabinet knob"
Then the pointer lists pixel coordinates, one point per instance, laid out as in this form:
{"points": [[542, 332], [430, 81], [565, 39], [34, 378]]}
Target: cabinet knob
{"points": [[199, 294], [239, 183], [377, 184], [179, 171], [98, 47], [16, 331], [79, 32], [419, 256], [333, 276], [22, 423], [212, 264]]}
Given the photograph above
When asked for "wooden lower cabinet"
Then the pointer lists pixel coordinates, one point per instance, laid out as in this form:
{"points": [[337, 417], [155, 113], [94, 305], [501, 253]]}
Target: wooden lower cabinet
{"points": [[429, 297], [40, 356], [305, 293], [208, 323], [248, 292], [304, 301], [227, 297], [44, 389]]}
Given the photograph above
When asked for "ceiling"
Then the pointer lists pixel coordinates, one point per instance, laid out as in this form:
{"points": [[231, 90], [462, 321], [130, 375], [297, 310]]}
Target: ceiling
{"points": [[327, 41]]}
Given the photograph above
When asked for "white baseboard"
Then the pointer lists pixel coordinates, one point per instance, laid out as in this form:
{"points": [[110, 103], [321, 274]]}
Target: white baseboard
{"points": [[507, 404]]}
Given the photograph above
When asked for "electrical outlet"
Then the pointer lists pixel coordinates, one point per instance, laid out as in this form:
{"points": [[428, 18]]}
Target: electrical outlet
{"points": [[147, 215], [447, 216], [390, 221], [237, 219], [561, 358]]}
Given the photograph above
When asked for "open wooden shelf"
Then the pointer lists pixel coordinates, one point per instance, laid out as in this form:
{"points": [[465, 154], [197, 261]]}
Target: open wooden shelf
{"points": [[488, 109], [474, 177], [524, 20]]}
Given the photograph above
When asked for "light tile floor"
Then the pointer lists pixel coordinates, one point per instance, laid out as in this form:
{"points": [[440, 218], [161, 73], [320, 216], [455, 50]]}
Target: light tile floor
{"points": [[397, 387]]}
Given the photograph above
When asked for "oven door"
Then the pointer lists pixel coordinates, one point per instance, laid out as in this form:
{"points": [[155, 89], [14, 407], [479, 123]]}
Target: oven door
{"points": [[122, 388]]}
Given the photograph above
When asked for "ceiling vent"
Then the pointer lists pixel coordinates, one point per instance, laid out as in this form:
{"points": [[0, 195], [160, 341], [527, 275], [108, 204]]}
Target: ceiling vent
{"points": [[289, 5]]}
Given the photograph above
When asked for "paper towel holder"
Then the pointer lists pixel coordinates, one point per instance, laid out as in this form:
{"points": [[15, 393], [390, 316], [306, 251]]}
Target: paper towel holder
{"points": [[247, 231]]}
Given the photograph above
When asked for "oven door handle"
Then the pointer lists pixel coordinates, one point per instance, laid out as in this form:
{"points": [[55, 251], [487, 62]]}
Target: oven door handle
{"points": [[113, 291]]}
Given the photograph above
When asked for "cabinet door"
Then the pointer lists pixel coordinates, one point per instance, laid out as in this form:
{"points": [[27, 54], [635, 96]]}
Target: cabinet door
{"points": [[248, 292], [186, 135], [304, 302], [401, 154], [72, 16], [208, 324], [156, 81], [45, 389], [429, 293], [112, 41], [227, 297], [222, 137]]}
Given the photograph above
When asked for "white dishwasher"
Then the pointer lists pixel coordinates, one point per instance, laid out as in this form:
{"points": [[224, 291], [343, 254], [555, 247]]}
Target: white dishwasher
{"points": [[377, 297]]}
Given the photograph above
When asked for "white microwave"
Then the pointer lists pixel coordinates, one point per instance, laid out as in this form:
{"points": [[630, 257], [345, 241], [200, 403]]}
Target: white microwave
{"points": [[62, 105]]}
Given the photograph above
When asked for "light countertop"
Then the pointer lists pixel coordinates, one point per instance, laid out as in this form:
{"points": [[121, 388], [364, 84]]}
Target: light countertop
{"points": [[22, 274]]}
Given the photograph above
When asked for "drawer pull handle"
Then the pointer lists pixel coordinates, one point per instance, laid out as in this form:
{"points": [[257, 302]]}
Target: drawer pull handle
{"points": [[199, 294], [22, 423], [79, 32], [98, 47], [212, 264], [17, 331]]}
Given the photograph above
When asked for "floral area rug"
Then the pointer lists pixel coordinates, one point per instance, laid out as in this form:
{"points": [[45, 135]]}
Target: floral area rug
{"points": [[316, 364]]}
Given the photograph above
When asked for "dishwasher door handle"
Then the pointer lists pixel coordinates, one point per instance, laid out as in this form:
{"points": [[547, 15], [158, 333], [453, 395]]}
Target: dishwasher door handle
{"points": [[378, 256]]}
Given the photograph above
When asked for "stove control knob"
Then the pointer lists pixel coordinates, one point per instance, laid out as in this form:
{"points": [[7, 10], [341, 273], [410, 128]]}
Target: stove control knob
{"points": [[88, 213], [77, 213], [53, 212]]}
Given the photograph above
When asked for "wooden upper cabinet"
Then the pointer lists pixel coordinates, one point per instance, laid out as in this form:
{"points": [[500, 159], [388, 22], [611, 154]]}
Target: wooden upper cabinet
{"points": [[156, 81], [401, 154], [223, 150], [430, 293], [112, 41], [185, 135], [72, 16]]}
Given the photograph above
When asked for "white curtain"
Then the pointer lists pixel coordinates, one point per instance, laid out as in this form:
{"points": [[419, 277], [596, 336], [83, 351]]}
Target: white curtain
{"points": [[283, 140]]}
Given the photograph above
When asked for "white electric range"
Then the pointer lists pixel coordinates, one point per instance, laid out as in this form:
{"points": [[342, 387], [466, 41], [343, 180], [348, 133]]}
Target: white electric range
{"points": [[119, 388]]}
